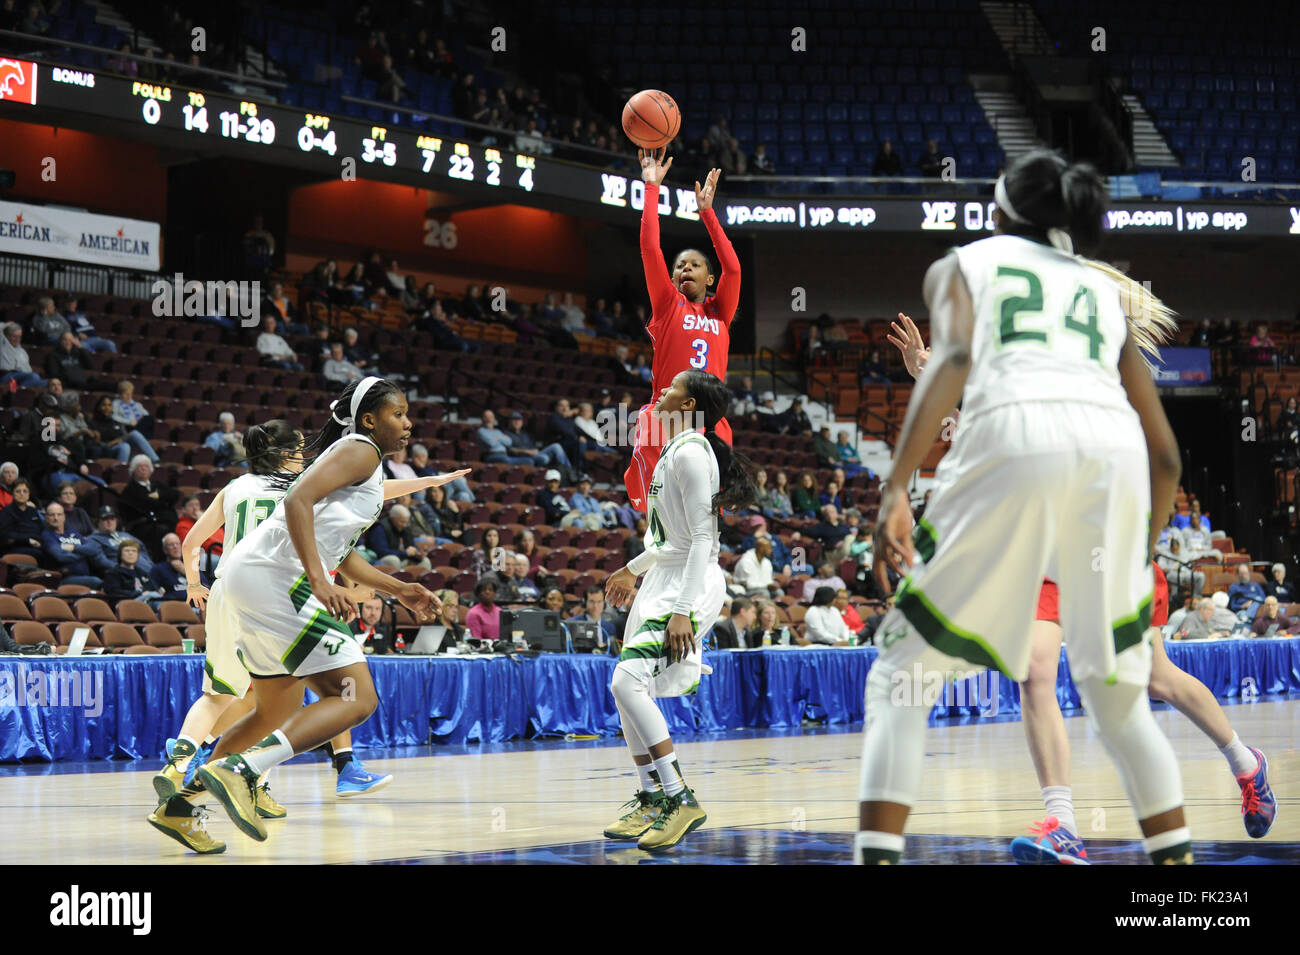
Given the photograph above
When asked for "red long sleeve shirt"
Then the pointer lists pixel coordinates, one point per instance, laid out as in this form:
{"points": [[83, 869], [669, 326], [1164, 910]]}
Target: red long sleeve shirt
{"points": [[687, 334]]}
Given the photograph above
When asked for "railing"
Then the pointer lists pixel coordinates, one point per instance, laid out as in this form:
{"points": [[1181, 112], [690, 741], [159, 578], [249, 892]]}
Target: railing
{"points": [[74, 277]]}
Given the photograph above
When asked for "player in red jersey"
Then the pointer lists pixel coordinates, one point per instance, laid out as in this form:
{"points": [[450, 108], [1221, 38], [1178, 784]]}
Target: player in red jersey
{"points": [[689, 328]]}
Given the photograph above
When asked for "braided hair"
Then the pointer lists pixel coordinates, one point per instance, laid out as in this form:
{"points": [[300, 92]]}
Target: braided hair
{"points": [[735, 472]]}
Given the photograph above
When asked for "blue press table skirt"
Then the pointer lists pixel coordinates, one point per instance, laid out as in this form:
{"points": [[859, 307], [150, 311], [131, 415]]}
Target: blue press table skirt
{"points": [[141, 700]]}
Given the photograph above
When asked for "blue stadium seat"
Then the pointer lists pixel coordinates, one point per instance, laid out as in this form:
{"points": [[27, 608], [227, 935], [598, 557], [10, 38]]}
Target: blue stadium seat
{"points": [[767, 112], [791, 135], [791, 159], [912, 134], [861, 113], [791, 113], [814, 112], [767, 132], [928, 113], [743, 112], [814, 134], [837, 113], [838, 133], [984, 136], [957, 135], [863, 133], [817, 154]]}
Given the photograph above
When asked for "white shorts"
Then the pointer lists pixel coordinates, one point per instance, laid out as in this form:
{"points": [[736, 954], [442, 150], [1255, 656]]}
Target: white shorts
{"points": [[281, 628], [645, 648], [1040, 489], [223, 671]]}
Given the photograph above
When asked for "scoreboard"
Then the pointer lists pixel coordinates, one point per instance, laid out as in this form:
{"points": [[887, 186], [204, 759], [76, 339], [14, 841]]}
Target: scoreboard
{"points": [[225, 124]]}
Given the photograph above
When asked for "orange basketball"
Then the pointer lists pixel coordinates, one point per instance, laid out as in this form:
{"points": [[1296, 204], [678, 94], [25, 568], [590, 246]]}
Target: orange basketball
{"points": [[651, 119]]}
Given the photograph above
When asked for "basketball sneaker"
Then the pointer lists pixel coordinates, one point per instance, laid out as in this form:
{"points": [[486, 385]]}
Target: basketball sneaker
{"points": [[354, 780], [202, 756], [234, 784], [680, 814], [267, 807], [642, 811], [1258, 804], [1052, 844], [178, 820], [169, 780]]}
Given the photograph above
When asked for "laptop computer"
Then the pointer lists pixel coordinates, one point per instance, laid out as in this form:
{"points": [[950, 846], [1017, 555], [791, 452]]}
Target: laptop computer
{"points": [[584, 635], [429, 639], [77, 645], [540, 629]]}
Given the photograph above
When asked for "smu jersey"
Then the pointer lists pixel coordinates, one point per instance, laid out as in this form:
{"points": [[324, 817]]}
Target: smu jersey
{"points": [[690, 335], [340, 518], [1047, 327], [249, 499]]}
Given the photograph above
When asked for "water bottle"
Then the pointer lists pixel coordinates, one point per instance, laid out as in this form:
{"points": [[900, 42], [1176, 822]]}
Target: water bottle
{"points": [[400, 644], [767, 638]]}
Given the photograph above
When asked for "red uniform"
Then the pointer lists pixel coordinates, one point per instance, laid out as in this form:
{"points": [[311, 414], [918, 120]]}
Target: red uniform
{"points": [[1049, 600], [685, 334]]}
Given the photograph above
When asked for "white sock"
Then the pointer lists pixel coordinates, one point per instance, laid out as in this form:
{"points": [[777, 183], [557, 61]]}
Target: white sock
{"points": [[887, 841], [184, 762], [648, 782], [267, 754], [1240, 759], [209, 740], [1060, 803], [1166, 840], [669, 776]]}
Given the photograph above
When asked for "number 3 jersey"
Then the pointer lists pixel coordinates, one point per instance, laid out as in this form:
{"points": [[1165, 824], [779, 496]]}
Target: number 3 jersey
{"points": [[340, 518], [1047, 327]]}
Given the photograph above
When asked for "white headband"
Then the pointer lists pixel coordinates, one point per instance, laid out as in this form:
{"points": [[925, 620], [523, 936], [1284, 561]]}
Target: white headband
{"points": [[350, 423], [1059, 238]]}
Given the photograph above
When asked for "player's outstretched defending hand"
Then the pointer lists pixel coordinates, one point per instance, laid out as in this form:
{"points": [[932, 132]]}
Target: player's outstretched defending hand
{"points": [[620, 587], [653, 168], [420, 601], [704, 196], [438, 480], [892, 546], [909, 341], [198, 596]]}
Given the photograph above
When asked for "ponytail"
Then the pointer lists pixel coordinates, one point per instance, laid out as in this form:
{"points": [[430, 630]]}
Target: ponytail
{"points": [[1045, 198], [267, 444], [735, 472], [1084, 195]]}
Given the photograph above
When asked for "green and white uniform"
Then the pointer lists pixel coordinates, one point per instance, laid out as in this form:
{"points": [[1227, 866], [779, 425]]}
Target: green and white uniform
{"points": [[680, 564], [248, 500], [281, 627], [1047, 477]]}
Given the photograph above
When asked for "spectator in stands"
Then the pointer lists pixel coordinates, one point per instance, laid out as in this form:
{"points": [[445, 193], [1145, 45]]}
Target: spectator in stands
{"points": [[374, 635], [123, 64], [76, 431], [831, 496], [392, 539], [8, 474], [642, 368], [753, 574], [776, 499], [731, 158], [64, 462], [226, 442], [489, 556], [1197, 626], [149, 507], [392, 87], [47, 325], [848, 453], [591, 438], [931, 162], [75, 519], [1263, 348], [281, 309], [529, 140], [1203, 336], [1179, 573], [353, 284], [761, 161], [497, 443], [552, 599], [1271, 620], [67, 550], [768, 631], [457, 490], [356, 353], [515, 578], [528, 549], [130, 413], [561, 430], [794, 420], [887, 162], [115, 439], [867, 636], [1228, 334], [823, 623], [833, 533], [826, 577], [84, 329], [826, 450], [259, 247], [273, 351], [108, 541], [168, 574], [1245, 595], [552, 500], [21, 525], [410, 297], [1277, 586], [731, 632], [849, 613], [1184, 521], [595, 611], [804, 498], [127, 580], [322, 283], [581, 499], [448, 514], [484, 618], [746, 398], [69, 362], [436, 322], [15, 363], [1288, 422], [338, 371], [1198, 542], [873, 370], [473, 305]]}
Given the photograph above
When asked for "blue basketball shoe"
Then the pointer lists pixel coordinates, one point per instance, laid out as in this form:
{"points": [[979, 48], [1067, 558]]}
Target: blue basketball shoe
{"points": [[354, 780], [1052, 845], [1258, 804]]}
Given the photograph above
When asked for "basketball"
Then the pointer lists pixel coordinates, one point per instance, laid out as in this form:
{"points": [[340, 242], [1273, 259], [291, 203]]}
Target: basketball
{"points": [[651, 119]]}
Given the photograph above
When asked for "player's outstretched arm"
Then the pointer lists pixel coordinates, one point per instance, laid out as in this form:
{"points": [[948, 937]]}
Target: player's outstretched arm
{"points": [[907, 339], [657, 280], [727, 291], [209, 522], [401, 488]]}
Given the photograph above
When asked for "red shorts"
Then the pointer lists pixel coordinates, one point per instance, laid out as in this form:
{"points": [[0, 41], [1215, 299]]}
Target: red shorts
{"points": [[1049, 598], [645, 455]]}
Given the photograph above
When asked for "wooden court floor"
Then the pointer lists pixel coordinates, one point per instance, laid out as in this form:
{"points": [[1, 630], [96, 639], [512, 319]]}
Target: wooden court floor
{"points": [[770, 798]]}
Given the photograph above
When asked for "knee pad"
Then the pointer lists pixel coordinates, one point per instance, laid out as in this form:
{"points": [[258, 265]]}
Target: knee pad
{"points": [[627, 684]]}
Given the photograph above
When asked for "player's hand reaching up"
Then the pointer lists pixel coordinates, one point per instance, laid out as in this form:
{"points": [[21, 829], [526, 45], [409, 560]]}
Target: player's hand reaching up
{"points": [[620, 587], [908, 340], [653, 168], [704, 196], [892, 545], [420, 601]]}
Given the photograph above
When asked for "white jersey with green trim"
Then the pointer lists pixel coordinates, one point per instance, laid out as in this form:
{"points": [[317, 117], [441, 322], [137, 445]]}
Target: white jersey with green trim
{"points": [[248, 500], [340, 518], [680, 508], [1047, 327]]}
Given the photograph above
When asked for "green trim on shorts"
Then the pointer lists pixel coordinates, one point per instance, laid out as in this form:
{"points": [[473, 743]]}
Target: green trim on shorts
{"points": [[642, 651], [1128, 631], [221, 686], [941, 634], [648, 651], [311, 636], [655, 623], [299, 593], [924, 539]]}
